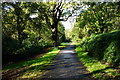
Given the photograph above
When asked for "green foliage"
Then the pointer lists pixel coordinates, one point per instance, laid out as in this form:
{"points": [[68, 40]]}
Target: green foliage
{"points": [[61, 33], [31, 68], [104, 47], [23, 34], [97, 69], [93, 29], [98, 18]]}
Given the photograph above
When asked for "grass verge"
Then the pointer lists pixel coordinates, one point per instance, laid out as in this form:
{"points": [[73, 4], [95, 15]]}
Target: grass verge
{"points": [[31, 68], [97, 69]]}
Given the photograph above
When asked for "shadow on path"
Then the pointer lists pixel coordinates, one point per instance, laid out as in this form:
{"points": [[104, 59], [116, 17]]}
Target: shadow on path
{"points": [[66, 65]]}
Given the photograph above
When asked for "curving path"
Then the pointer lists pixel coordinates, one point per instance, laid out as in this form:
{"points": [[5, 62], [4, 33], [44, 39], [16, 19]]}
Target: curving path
{"points": [[66, 65]]}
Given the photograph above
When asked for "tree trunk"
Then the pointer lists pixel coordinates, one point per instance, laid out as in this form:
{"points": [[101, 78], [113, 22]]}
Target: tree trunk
{"points": [[56, 36], [55, 33], [18, 25]]}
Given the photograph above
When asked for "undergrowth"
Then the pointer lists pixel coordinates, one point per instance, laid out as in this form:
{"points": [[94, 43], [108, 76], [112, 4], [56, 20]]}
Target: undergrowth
{"points": [[105, 47], [97, 69], [101, 55]]}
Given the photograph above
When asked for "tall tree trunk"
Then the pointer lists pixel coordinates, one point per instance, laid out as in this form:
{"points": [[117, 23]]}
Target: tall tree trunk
{"points": [[18, 24], [55, 33], [56, 36]]}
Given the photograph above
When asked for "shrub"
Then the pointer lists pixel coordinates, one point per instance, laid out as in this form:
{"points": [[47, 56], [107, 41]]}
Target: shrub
{"points": [[104, 47]]}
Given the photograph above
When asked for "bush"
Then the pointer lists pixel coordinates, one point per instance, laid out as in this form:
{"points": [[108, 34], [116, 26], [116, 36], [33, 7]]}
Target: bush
{"points": [[104, 47], [12, 50]]}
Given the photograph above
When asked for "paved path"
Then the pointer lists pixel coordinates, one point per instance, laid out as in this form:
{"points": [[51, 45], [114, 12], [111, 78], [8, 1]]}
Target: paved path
{"points": [[66, 65]]}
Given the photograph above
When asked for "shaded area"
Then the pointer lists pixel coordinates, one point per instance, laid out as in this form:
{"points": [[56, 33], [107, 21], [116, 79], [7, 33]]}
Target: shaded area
{"points": [[23, 55], [28, 69], [66, 65]]}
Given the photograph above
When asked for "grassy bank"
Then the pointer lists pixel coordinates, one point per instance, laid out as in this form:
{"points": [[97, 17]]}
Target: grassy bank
{"points": [[101, 55], [31, 68], [97, 69]]}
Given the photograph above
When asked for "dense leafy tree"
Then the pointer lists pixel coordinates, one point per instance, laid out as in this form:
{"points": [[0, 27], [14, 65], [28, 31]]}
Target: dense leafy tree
{"points": [[97, 29], [59, 11], [24, 27], [98, 18]]}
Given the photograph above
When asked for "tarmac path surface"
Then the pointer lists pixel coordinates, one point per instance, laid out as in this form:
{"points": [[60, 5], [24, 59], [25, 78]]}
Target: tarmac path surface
{"points": [[66, 65]]}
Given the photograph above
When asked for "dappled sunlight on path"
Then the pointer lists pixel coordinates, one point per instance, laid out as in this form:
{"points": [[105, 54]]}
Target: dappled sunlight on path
{"points": [[66, 65]]}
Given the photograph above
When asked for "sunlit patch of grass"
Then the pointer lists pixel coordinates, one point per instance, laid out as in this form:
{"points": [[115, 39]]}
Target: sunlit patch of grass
{"points": [[96, 68], [33, 68], [112, 72], [65, 44], [62, 46]]}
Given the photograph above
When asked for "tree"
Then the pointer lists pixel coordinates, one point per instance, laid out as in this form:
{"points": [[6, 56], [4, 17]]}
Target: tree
{"points": [[59, 11], [97, 18]]}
